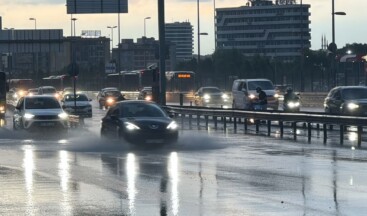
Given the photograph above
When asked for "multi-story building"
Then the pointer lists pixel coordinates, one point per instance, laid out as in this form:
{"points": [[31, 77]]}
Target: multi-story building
{"points": [[90, 54], [181, 34], [262, 27], [139, 55]]}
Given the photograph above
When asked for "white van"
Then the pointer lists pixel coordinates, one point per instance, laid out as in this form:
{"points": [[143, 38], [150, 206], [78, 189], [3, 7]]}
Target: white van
{"points": [[244, 93]]}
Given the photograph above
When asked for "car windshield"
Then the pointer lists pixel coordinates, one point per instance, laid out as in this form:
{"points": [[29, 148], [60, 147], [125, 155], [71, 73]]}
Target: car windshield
{"points": [[355, 93], [113, 93], [79, 97], [49, 90], [264, 85], [141, 110], [211, 90], [42, 103]]}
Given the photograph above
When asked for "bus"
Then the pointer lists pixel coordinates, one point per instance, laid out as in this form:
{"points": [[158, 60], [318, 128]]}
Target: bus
{"points": [[180, 81], [60, 82], [21, 84], [3, 90], [125, 80]]}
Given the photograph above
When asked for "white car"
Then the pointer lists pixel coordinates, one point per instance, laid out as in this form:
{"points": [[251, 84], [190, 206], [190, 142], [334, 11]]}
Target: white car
{"points": [[82, 102], [49, 90], [39, 112]]}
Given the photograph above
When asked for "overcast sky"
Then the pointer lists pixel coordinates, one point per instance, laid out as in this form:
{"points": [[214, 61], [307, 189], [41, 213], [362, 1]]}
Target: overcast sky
{"points": [[52, 14]]}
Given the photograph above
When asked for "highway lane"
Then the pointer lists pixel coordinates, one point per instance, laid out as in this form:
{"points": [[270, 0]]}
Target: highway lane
{"points": [[205, 173]]}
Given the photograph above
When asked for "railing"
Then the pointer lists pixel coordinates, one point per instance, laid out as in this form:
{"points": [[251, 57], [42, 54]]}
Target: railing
{"points": [[236, 116]]}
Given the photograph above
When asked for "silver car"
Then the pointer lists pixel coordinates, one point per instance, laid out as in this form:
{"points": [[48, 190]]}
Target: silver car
{"points": [[212, 97], [39, 112], [83, 107]]}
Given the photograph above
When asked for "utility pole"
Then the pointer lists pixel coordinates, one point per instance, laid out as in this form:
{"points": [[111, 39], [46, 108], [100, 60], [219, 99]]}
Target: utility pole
{"points": [[162, 54]]}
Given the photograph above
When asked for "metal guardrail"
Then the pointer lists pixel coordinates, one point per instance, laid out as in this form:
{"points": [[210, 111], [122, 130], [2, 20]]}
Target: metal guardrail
{"points": [[273, 116]]}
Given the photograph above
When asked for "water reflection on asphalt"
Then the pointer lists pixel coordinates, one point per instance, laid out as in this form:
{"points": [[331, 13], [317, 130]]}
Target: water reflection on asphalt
{"points": [[205, 173]]}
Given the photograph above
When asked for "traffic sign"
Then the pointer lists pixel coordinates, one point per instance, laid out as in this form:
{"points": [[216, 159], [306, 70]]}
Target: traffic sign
{"points": [[110, 68]]}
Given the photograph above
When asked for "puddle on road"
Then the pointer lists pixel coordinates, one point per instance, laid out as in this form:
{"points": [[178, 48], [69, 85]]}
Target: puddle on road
{"points": [[87, 141]]}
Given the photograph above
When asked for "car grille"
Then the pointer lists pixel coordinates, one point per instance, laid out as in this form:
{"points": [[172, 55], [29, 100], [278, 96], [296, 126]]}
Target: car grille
{"points": [[46, 117]]}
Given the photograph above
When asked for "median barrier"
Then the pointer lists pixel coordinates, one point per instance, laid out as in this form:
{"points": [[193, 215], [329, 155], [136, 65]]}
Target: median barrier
{"points": [[236, 116]]}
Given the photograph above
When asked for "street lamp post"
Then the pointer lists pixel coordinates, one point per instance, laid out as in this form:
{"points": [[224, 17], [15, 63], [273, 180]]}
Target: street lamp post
{"points": [[145, 25], [111, 27], [35, 22], [73, 21], [333, 47], [35, 55], [199, 34]]}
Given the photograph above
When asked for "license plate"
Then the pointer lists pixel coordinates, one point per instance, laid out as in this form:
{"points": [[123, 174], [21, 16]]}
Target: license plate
{"points": [[47, 124], [153, 141]]}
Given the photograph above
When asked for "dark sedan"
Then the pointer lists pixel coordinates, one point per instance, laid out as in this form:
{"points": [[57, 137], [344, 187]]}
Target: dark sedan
{"points": [[347, 100], [140, 122], [109, 97]]}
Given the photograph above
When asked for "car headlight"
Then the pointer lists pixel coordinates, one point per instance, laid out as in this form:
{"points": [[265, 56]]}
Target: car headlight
{"points": [[2, 108], [28, 116], [293, 104], [252, 96], [352, 106], [63, 115], [110, 100], [15, 96], [225, 96], [21, 93], [172, 126], [276, 95], [56, 95], [148, 98], [131, 126], [206, 97]]}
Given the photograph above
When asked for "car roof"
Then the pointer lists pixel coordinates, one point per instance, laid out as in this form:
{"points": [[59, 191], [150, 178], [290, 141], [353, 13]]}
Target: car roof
{"points": [[349, 87], [135, 102], [109, 88], [252, 80], [47, 87], [40, 96], [204, 87]]}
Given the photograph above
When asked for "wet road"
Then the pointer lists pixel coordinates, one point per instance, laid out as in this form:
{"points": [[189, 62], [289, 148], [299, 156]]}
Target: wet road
{"points": [[205, 173]]}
